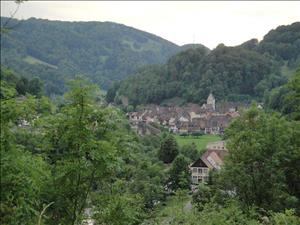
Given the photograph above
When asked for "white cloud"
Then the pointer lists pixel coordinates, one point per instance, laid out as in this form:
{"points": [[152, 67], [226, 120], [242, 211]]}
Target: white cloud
{"points": [[209, 23]]}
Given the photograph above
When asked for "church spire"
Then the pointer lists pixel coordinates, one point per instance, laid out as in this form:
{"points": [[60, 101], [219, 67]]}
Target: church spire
{"points": [[211, 101]]}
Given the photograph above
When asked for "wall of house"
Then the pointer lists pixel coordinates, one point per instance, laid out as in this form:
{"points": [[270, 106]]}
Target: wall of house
{"points": [[200, 175]]}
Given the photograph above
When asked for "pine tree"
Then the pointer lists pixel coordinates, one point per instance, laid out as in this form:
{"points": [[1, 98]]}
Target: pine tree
{"points": [[168, 149]]}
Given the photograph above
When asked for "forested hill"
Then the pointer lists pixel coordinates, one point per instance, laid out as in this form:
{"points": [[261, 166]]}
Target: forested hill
{"points": [[103, 51], [240, 73]]}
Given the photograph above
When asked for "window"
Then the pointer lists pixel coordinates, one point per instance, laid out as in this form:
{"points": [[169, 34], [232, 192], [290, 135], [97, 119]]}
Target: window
{"points": [[194, 170], [200, 170]]}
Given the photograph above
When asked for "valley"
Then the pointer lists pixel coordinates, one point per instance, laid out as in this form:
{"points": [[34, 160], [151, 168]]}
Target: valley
{"points": [[106, 124]]}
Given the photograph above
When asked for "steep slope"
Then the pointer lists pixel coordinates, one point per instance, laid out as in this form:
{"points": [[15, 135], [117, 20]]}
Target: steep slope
{"points": [[240, 73], [231, 73], [103, 51], [283, 43]]}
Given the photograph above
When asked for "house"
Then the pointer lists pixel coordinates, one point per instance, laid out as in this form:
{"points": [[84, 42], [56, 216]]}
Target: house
{"points": [[216, 123], [200, 172], [212, 159]]}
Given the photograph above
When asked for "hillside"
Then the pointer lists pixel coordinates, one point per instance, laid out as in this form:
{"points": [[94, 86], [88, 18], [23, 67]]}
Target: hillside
{"points": [[283, 43], [56, 50], [240, 73]]}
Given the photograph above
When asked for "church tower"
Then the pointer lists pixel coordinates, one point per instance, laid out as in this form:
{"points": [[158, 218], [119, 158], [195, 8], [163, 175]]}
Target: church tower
{"points": [[211, 101]]}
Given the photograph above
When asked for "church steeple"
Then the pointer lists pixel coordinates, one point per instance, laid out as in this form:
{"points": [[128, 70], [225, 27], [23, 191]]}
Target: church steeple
{"points": [[211, 101]]}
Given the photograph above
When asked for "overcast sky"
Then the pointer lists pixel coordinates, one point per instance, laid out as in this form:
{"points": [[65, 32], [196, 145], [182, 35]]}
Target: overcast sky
{"points": [[208, 23]]}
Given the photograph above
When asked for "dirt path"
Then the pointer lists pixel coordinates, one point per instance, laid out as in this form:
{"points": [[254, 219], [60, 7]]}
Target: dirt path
{"points": [[188, 206]]}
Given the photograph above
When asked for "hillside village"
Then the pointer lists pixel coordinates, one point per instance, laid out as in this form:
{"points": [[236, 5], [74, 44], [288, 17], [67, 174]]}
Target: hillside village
{"points": [[209, 118], [106, 124]]}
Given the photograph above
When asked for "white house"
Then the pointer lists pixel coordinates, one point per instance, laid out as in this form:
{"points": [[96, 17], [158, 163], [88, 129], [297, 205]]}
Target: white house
{"points": [[200, 172], [212, 159]]}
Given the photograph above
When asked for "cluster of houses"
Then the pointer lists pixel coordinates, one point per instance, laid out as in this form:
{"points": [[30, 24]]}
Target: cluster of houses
{"points": [[212, 159], [192, 118]]}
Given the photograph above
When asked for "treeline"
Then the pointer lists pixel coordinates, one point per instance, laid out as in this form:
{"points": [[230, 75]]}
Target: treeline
{"points": [[21, 85], [240, 73], [285, 98]]}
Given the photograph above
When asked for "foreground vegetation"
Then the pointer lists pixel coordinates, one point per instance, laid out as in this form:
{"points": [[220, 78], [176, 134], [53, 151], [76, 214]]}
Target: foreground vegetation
{"points": [[60, 160]]}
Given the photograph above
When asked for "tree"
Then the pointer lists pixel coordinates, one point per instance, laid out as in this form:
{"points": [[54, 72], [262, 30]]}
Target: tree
{"points": [[190, 151], [168, 149], [179, 174], [24, 176], [291, 105], [261, 166], [22, 86], [79, 152], [23, 180], [288, 217], [203, 196], [119, 210], [286, 98], [35, 86]]}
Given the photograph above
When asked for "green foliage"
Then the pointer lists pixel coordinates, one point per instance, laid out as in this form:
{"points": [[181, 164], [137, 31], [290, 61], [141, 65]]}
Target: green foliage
{"points": [[23, 176], [23, 179], [79, 151], [240, 73], [72, 156], [202, 196], [286, 98], [80, 155], [291, 104], [232, 73], [262, 162], [168, 149], [212, 214], [190, 151], [179, 174], [119, 210], [12, 84], [102, 51], [288, 217], [283, 42], [228, 215]]}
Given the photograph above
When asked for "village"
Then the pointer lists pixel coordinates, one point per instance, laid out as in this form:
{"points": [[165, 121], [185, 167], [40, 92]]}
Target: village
{"points": [[210, 118]]}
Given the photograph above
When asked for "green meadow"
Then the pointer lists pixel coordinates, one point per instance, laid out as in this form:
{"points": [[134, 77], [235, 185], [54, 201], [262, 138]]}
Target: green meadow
{"points": [[200, 141]]}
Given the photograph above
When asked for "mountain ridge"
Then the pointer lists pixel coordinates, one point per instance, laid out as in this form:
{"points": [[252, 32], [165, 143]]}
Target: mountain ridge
{"points": [[102, 51], [241, 73]]}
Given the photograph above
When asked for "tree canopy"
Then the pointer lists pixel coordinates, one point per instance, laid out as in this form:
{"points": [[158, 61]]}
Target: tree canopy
{"points": [[241, 73]]}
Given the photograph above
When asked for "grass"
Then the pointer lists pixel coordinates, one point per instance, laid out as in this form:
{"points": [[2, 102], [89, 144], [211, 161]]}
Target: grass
{"points": [[165, 214], [200, 141], [32, 60], [146, 46]]}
